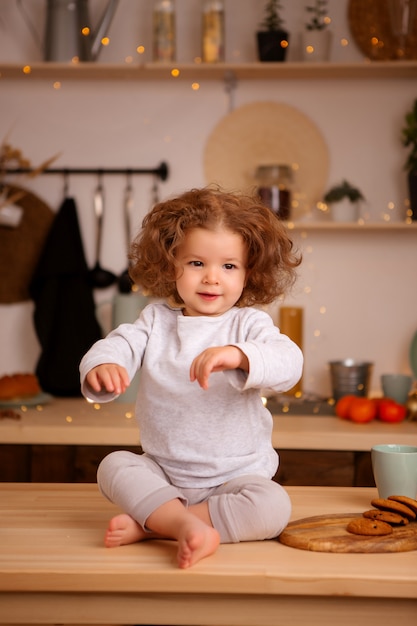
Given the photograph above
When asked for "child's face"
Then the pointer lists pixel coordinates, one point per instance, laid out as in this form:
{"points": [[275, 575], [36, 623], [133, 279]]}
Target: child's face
{"points": [[212, 272]]}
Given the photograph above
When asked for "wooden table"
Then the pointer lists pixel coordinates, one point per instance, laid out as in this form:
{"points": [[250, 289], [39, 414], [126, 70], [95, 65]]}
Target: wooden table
{"points": [[73, 421], [55, 569]]}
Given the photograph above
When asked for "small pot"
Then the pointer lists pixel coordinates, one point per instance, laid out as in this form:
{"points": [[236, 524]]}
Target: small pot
{"points": [[272, 45], [344, 211], [316, 45]]}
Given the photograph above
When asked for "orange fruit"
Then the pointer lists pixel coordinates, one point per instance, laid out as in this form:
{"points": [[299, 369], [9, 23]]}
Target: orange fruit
{"points": [[390, 411], [342, 408], [362, 410]]}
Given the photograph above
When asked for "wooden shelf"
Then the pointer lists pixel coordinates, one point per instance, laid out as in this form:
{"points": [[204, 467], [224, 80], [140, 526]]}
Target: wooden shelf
{"points": [[201, 71], [353, 226]]}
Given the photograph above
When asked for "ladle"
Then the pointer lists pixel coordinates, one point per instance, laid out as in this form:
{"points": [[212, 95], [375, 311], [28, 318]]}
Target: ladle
{"points": [[124, 281], [100, 277]]}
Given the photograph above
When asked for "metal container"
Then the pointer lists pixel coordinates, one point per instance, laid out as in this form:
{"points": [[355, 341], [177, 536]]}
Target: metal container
{"points": [[350, 377]]}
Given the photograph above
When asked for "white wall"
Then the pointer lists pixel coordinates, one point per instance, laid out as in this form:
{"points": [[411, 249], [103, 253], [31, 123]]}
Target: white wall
{"points": [[363, 281]]}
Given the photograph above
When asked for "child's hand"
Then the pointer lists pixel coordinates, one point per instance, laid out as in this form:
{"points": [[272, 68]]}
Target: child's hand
{"points": [[217, 360], [113, 378]]}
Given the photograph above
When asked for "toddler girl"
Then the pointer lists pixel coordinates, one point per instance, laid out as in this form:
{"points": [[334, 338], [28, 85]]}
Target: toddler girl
{"points": [[205, 475]]}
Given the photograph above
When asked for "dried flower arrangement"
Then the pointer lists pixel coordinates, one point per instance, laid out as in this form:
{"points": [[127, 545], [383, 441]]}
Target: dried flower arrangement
{"points": [[12, 159]]}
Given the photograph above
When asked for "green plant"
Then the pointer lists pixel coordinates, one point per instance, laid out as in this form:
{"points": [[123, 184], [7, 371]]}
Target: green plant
{"points": [[272, 20], [344, 190], [409, 138], [319, 19]]}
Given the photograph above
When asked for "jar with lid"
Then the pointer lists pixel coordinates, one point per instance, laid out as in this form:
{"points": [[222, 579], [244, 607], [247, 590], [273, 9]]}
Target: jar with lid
{"points": [[213, 31], [274, 187], [164, 36]]}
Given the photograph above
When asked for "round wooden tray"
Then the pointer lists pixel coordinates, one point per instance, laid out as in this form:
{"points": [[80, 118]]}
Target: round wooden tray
{"points": [[327, 533], [267, 133]]}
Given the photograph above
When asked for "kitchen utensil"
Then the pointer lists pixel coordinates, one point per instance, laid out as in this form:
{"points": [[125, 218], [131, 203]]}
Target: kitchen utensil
{"points": [[68, 31], [327, 533], [124, 281], [100, 277], [155, 190]]}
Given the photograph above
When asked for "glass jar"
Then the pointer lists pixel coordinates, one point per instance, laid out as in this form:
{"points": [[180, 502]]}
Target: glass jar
{"points": [[274, 186], [164, 39], [213, 31]]}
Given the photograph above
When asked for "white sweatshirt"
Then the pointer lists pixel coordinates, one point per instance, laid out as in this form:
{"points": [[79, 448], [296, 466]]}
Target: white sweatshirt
{"points": [[201, 438]]}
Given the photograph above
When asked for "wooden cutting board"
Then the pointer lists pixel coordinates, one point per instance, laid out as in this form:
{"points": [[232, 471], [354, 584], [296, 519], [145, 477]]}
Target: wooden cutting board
{"points": [[327, 533]]}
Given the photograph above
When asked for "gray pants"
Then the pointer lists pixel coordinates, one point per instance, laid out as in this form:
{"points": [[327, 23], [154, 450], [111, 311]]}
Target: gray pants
{"points": [[246, 508]]}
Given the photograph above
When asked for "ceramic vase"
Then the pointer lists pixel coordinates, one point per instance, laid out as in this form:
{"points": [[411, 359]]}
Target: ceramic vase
{"points": [[344, 211], [316, 45]]}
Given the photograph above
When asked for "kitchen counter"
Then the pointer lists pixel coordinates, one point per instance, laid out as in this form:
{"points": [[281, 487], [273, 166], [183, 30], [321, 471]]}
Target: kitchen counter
{"points": [[73, 421], [55, 569]]}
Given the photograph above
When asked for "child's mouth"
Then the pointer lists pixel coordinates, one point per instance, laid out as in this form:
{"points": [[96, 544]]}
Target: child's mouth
{"points": [[208, 296]]}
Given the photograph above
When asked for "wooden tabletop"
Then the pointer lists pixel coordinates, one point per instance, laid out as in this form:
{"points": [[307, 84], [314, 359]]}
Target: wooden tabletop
{"points": [[55, 569], [73, 421]]}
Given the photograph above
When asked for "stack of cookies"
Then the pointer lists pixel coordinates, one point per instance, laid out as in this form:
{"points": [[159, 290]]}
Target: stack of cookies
{"points": [[387, 514]]}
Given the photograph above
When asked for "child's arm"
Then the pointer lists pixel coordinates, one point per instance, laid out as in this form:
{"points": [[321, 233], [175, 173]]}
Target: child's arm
{"points": [[217, 360], [110, 376]]}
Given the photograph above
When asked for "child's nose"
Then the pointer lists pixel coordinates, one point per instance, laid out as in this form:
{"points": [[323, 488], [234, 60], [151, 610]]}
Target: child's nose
{"points": [[211, 276]]}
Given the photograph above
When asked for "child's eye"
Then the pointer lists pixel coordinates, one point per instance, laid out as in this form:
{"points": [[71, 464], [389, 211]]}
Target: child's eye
{"points": [[229, 266], [196, 263]]}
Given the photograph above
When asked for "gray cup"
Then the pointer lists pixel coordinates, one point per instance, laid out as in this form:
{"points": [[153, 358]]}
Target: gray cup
{"points": [[350, 377], [395, 470], [396, 386]]}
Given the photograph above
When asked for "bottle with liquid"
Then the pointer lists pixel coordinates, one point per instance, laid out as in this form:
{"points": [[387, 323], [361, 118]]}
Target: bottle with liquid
{"points": [[213, 31], [274, 186], [164, 36]]}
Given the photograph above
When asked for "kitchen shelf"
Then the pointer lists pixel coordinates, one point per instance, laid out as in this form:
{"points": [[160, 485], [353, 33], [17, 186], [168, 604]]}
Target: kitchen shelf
{"points": [[353, 226], [210, 71]]}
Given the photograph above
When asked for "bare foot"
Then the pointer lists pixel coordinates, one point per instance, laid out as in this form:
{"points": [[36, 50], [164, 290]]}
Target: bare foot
{"points": [[123, 530], [196, 541]]}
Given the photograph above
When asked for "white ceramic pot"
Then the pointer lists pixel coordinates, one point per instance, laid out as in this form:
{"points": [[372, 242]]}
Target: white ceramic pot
{"points": [[344, 211]]}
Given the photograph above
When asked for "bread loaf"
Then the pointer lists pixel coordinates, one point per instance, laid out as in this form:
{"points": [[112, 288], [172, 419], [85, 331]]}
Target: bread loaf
{"points": [[18, 386]]}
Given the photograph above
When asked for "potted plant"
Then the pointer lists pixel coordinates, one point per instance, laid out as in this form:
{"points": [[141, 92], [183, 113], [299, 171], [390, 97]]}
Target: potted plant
{"points": [[317, 38], [409, 139], [272, 39], [344, 202]]}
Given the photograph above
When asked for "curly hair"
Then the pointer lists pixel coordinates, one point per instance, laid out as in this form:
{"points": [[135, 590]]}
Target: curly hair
{"points": [[271, 264]]}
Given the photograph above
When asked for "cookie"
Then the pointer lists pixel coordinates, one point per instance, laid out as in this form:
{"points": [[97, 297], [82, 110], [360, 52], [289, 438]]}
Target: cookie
{"points": [[395, 507], [412, 504], [386, 516], [370, 527]]}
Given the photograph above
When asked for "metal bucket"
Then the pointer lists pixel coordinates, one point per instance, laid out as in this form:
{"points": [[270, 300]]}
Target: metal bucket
{"points": [[350, 377]]}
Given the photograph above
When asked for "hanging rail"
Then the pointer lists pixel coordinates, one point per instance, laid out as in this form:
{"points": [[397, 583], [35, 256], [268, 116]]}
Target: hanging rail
{"points": [[161, 171]]}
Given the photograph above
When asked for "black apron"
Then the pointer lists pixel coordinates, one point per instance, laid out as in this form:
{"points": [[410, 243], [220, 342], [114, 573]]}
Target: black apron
{"points": [[64, 316]]}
